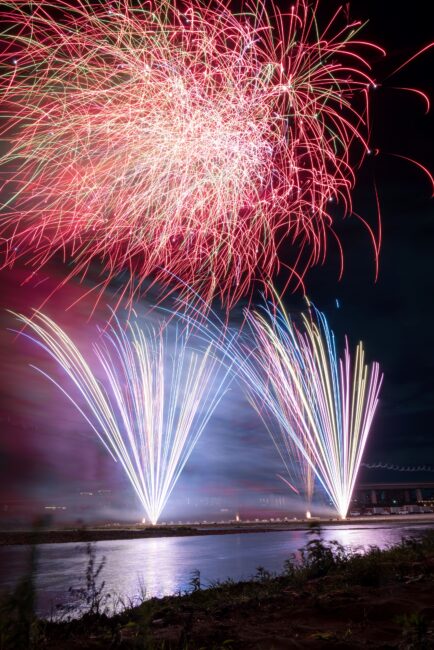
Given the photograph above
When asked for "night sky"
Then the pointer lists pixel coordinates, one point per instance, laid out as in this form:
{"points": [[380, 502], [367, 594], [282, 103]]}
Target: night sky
{"points": [[46, 455], [393, 316]]}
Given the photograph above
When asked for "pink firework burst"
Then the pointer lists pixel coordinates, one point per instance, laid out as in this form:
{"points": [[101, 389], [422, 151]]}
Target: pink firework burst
{"points": [[177, 144]]}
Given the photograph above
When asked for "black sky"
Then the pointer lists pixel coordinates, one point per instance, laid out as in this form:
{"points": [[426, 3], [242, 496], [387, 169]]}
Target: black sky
{"points": [[393, 316]]}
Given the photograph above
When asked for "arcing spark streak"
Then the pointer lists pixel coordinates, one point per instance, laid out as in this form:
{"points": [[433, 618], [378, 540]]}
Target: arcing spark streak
{"points": [[152, 404]]}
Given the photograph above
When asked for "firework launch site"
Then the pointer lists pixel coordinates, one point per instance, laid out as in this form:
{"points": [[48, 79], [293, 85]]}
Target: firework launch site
{"points": [[119, 531]]}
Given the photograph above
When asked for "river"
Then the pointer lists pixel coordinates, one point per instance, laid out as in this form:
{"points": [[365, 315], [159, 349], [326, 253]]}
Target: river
{"points": [[164, 566]]}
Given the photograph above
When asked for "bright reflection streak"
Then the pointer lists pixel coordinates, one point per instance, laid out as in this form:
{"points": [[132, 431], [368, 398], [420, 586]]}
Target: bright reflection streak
{"points": [[152, 404]]}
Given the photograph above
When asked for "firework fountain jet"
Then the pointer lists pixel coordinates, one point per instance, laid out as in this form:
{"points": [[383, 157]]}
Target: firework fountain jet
{"points": [[317, 407], [152, 404], [299, 469], [177, 140], [322, 404]]}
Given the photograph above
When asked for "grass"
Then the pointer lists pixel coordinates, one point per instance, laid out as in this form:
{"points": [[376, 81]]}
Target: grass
{"points": [[320, 573]]}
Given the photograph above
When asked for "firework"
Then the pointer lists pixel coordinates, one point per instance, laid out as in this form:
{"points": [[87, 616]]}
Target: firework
{"points": [[323, 405], [298, 464], [301, 471], [317, 407], [151, 405], [177, 143]]}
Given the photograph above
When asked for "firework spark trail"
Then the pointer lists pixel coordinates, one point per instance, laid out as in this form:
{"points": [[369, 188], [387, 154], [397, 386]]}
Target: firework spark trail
{"points": [[314, 404], [297, 458], [307, 474], [322, 404], [151, 406], [301, 471], [290, 485], [184, 141]]}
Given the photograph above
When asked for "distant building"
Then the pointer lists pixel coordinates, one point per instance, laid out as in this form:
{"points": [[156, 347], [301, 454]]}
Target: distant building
{"points": [[414, 496]]}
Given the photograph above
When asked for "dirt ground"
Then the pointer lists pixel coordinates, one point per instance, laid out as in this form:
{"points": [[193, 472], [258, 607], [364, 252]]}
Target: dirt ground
{"points": [[275, 616]]}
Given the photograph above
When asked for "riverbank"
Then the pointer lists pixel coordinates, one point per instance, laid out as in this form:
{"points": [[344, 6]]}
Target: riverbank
{"points": [[104, 533], [329, 598]]}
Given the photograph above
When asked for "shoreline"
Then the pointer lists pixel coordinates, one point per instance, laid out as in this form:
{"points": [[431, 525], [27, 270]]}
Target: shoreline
{"points": [[330, 598], [101, 533]]}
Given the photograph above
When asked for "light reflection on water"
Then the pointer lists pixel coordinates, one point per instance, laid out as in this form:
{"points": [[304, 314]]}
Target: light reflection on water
{"points": [[165, 565]]}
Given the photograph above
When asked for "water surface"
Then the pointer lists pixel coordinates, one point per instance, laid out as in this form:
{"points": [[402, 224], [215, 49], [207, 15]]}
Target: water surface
{"points": [[164, 565]]}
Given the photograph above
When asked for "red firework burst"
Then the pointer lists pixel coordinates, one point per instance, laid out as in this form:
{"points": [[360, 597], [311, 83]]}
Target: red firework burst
{"points": [[177, 143]]}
